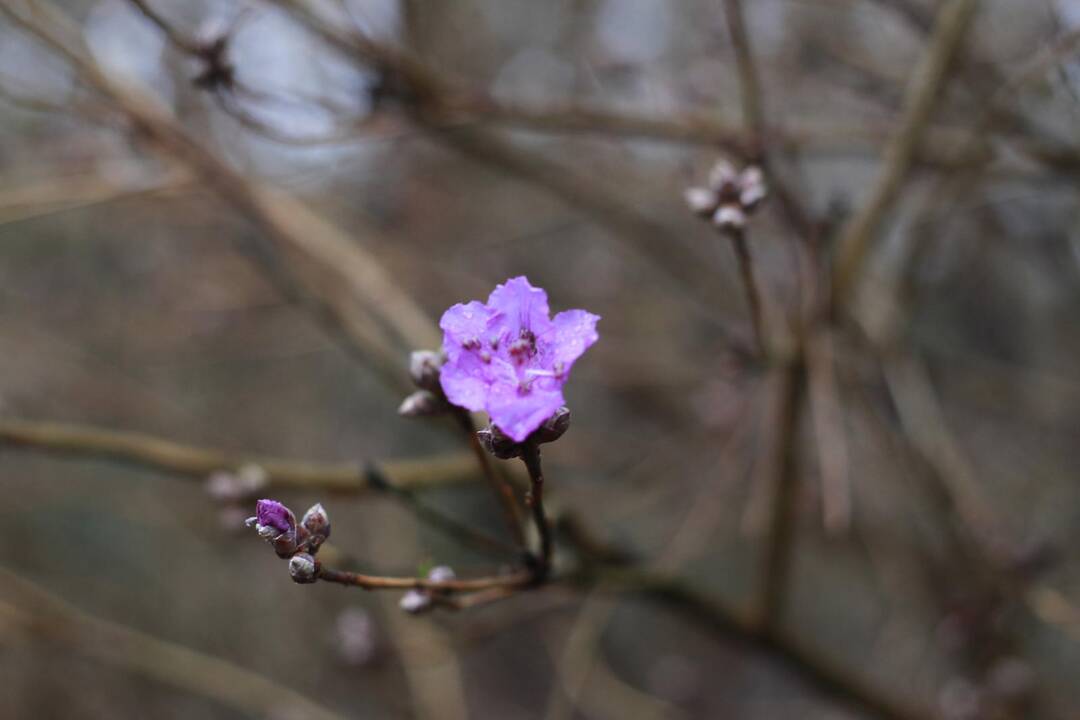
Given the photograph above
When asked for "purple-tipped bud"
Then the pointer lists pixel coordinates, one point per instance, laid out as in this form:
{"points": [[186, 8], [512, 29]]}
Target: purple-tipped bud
{"points": [[272, 514], [422, 404], [303, 568], [415, 602], [317, 523], [441, 574], [554, 427], [498, 443], [424, 368]]}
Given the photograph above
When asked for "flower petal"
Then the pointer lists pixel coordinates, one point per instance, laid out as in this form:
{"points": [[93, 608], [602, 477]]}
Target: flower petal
{"points": [[571, 334], [465, 382], [519, 414], [464, 323], [522, 306]]}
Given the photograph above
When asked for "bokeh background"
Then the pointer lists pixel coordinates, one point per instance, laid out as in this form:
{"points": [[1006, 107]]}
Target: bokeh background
{"points": [[136, 294]]}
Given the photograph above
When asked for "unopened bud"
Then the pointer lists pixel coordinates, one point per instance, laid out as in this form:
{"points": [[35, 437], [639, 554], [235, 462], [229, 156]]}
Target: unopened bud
{"points": [[753, 189], [701, 200], [722, 176], [424, 368], [422, 403], [302, 568], [317, 523], [498, 443], [441, 574], [554, 427], [730, 217], [415, 602]]}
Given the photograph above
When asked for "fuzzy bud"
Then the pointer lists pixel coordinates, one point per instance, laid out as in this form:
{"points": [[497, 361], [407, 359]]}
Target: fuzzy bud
{"points": [[415, 602], [554, 427], [722, 176], [730, 217], [702, 201], [441, 574], [303, 568], [317, 523], [422, 404], [424, 367]]}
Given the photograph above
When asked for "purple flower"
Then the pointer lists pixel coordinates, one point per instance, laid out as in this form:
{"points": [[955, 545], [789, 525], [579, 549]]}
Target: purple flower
{"points": [[510, 358], [274, 515]]}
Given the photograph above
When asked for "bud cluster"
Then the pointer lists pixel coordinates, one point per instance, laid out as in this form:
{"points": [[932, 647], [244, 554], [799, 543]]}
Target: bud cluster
{"points": [[298, 542], [429, 400], [730, 197], [502, 446], [419, 600]]}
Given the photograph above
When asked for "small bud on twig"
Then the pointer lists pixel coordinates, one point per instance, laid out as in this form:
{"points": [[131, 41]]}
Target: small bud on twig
{"points": [[423, 403], [317, 523], [415, 602], [498, 443], [303, 568], [730, 197], [554, 427], [424, 367]]}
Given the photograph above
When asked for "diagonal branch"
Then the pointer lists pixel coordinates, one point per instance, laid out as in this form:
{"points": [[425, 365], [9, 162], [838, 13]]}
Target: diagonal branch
{"points": [[926, 85], [176, 458]]}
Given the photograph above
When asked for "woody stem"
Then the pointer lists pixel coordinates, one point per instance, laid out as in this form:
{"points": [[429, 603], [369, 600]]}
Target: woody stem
{"points": [[530, 454]]}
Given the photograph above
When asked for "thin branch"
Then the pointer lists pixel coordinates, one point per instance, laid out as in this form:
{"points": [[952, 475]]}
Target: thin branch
{"points": [[749, 85], [927, 83], [171, 34], [535, 500], [773, 584], [246, 692], [516, 580], [347, 287], [749, 283], [193, 461]]}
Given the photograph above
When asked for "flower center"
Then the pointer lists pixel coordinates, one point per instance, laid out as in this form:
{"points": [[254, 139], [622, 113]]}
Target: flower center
{"points": [[523, 348]]}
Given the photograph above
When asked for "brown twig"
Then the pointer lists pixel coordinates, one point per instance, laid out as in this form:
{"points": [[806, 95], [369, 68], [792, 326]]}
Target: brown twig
{"points": [[514, 580], [530, 455], [749, 85], [346, 287], [776, 566], [749, 282], [198, 462]]}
